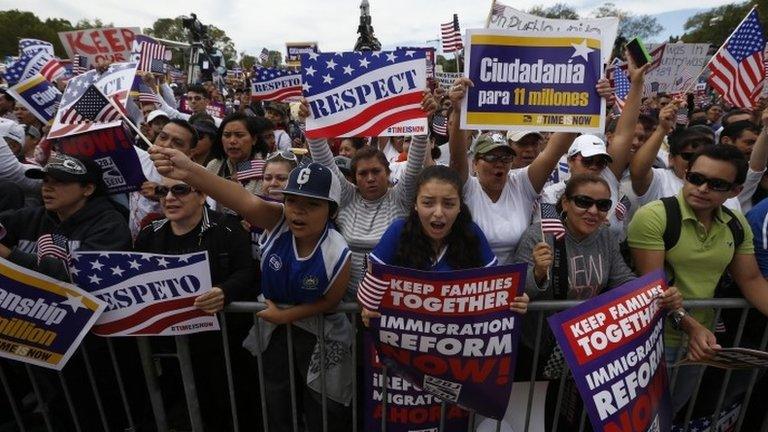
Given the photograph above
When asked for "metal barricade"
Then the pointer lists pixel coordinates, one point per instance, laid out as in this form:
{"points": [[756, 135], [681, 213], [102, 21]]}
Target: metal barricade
{"points": [[25, 385]]}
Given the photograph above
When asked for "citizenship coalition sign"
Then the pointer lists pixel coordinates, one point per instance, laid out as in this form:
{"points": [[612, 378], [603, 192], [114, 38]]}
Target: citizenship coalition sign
{"points": [[523, 81]]}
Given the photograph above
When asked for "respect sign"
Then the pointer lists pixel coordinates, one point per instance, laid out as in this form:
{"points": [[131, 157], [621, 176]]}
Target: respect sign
{"points": [[613, 345], [452, 334], [524, 81], [101, 44]]}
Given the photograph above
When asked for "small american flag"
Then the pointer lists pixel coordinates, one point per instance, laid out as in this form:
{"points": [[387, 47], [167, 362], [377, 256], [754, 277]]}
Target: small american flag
{"points": [[623, 207], [52, 245], [152, 57], [52, 70], [93, 106], [264, 55], [146, 95], [737, 69], [621, 85], [79, 64], [451, 35], [371, 291], [250, 169], [440, 125], [551, 222]]}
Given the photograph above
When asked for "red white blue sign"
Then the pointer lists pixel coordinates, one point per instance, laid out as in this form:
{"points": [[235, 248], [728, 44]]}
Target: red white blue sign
{"points": [[272, 84], [364, 93]]}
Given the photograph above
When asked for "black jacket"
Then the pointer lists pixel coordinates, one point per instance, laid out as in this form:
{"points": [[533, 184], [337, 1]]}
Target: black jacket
{"points": [[98, 226], [228, 246]]}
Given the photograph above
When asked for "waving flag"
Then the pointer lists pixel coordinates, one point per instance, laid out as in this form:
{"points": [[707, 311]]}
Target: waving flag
{"points": [[264, 55], [29, 65], [115, 84], [440, 125], [92, 106], [79, 65], [451, 35], [371, 291], [279, 85], [119, 279], [737, 69], [152, 55], [551, 222], [253, 169], [622, 208], [52, 245], [32, 46], [144, 93], [621, 85], [364, 93]]}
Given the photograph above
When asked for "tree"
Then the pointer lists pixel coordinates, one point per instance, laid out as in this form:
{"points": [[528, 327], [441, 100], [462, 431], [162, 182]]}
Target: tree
{"points": [[715, 25], [87, 24], [274, 59], [247, 61], [558, 10], [642, 26], [16, 24]]}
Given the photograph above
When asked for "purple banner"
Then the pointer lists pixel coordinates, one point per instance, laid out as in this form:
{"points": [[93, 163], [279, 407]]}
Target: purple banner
{"points": [[614, 346], [525, 81], [452, 334], [113, 151]]}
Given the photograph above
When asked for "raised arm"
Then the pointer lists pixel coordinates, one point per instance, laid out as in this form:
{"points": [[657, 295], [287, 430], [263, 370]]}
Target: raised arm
{"points": [[546, 161], [174, 164], [640, 168], [457, 138], [625, 129], [406, 187]]}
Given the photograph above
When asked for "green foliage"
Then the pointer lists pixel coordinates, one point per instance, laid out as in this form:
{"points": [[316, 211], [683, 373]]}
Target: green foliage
{"points": [[16, 24], [173, 29], [715, 25], [558, 10], [274, 59], [630, 26], [247, 61]]}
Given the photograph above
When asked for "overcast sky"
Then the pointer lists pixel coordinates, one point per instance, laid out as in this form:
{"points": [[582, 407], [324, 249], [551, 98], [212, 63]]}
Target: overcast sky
{"points": [[332, 23]]}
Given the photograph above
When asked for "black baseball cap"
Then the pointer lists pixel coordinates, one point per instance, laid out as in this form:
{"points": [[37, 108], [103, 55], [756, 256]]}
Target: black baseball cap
{"points": [[69, 169], [313, 181]]}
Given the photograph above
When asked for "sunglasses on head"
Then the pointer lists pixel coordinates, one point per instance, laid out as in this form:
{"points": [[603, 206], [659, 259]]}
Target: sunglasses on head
{"points": [[282, 154], [594, 161], [715, 184], [491, 158], [586, 202], [177, 190]]}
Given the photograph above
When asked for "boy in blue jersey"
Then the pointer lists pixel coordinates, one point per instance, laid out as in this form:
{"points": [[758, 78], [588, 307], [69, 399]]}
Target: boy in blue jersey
{"points": [[305, 270]]}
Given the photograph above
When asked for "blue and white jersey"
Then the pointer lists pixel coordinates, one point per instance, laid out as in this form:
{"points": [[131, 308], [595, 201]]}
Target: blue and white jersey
{"points": [[287, 278]]}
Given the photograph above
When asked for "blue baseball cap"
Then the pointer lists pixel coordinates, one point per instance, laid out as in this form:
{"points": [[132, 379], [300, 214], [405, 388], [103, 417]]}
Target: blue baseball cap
{"points": [[314, 181]]}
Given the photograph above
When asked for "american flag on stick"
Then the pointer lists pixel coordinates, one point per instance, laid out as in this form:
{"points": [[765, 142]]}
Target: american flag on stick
{"points": [[152, 57], [79, 64], [621, 85], [737, 69], [250, 169], [264, 55], [451, 35], [371, 291], [52, 245], [551, 222], [623, 207], [92, 106]]}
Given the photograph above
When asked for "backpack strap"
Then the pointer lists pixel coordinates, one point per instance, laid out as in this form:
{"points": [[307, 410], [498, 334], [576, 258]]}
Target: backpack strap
{"points": [[737, 230], [672, 228]]}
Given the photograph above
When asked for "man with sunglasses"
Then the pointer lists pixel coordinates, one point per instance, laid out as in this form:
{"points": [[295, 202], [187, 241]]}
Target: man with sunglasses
{"points": [[712, 240], [197, 98]]}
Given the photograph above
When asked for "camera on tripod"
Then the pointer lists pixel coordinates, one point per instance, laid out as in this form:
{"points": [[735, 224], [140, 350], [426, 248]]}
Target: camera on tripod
{"points": [[197, 31]]}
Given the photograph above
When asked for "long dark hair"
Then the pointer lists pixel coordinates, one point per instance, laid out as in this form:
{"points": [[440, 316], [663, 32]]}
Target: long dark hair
{"points": [[254, 129], [414, 249]]}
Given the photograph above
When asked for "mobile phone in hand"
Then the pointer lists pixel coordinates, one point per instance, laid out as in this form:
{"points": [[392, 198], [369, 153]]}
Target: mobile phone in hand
{"points": [[638, 52]]}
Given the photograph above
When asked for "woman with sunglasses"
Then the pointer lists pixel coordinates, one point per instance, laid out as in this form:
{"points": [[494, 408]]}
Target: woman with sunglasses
{"points": [[189, 226], [306, 266], [368, 206], [239, 143], [590, 264]]}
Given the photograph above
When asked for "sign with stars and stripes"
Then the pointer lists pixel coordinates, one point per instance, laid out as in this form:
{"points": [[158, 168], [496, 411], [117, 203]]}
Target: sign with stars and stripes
{"points": [[42, 320], [115, 84], [146, 294], [365, 93], [272, 84]]}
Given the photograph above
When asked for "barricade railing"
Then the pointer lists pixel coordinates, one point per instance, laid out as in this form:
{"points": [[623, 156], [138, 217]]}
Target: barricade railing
{"points": [[29, 401]]}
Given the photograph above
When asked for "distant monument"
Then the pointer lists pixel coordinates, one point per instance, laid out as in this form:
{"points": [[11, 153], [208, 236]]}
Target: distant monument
{"points": [[366, 41]]}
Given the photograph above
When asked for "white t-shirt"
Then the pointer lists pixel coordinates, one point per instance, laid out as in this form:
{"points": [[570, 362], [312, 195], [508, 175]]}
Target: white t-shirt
{"points": [[282, 140], [551, 194], [505, 220], [390, 152], [396, 171]]}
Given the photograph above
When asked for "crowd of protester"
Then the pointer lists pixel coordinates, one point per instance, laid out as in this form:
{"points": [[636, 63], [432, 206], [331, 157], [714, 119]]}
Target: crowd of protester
{"points": [[670, 184]]}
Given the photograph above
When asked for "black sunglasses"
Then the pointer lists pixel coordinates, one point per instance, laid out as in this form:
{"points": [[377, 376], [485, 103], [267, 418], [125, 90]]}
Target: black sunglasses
{"points": [[176, 190], [585, 202], [715, 184], [594, 161], [491, 158]]}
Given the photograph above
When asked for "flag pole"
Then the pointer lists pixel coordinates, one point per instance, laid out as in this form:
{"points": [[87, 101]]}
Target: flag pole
{"points": [[696, 78], [127, 120]]}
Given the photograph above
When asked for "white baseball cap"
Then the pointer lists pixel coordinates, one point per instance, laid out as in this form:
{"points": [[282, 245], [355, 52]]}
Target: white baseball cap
{"points": [[15, 132], [588, 146], [155, 114]]}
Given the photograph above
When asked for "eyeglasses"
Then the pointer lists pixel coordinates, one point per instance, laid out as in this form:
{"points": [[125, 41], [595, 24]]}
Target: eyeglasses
{"points": [[586, 202], [687, 156], [177, 190], [599, 162], [195, 98], [715, 184], [492, 158], [282, 154]]}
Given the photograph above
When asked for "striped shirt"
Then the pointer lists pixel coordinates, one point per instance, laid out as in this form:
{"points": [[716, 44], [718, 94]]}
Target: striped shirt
{"points": [[363, 222]]}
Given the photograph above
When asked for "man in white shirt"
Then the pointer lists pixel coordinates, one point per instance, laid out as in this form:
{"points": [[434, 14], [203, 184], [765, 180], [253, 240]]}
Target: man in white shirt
{"points": [[197, 100]]}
